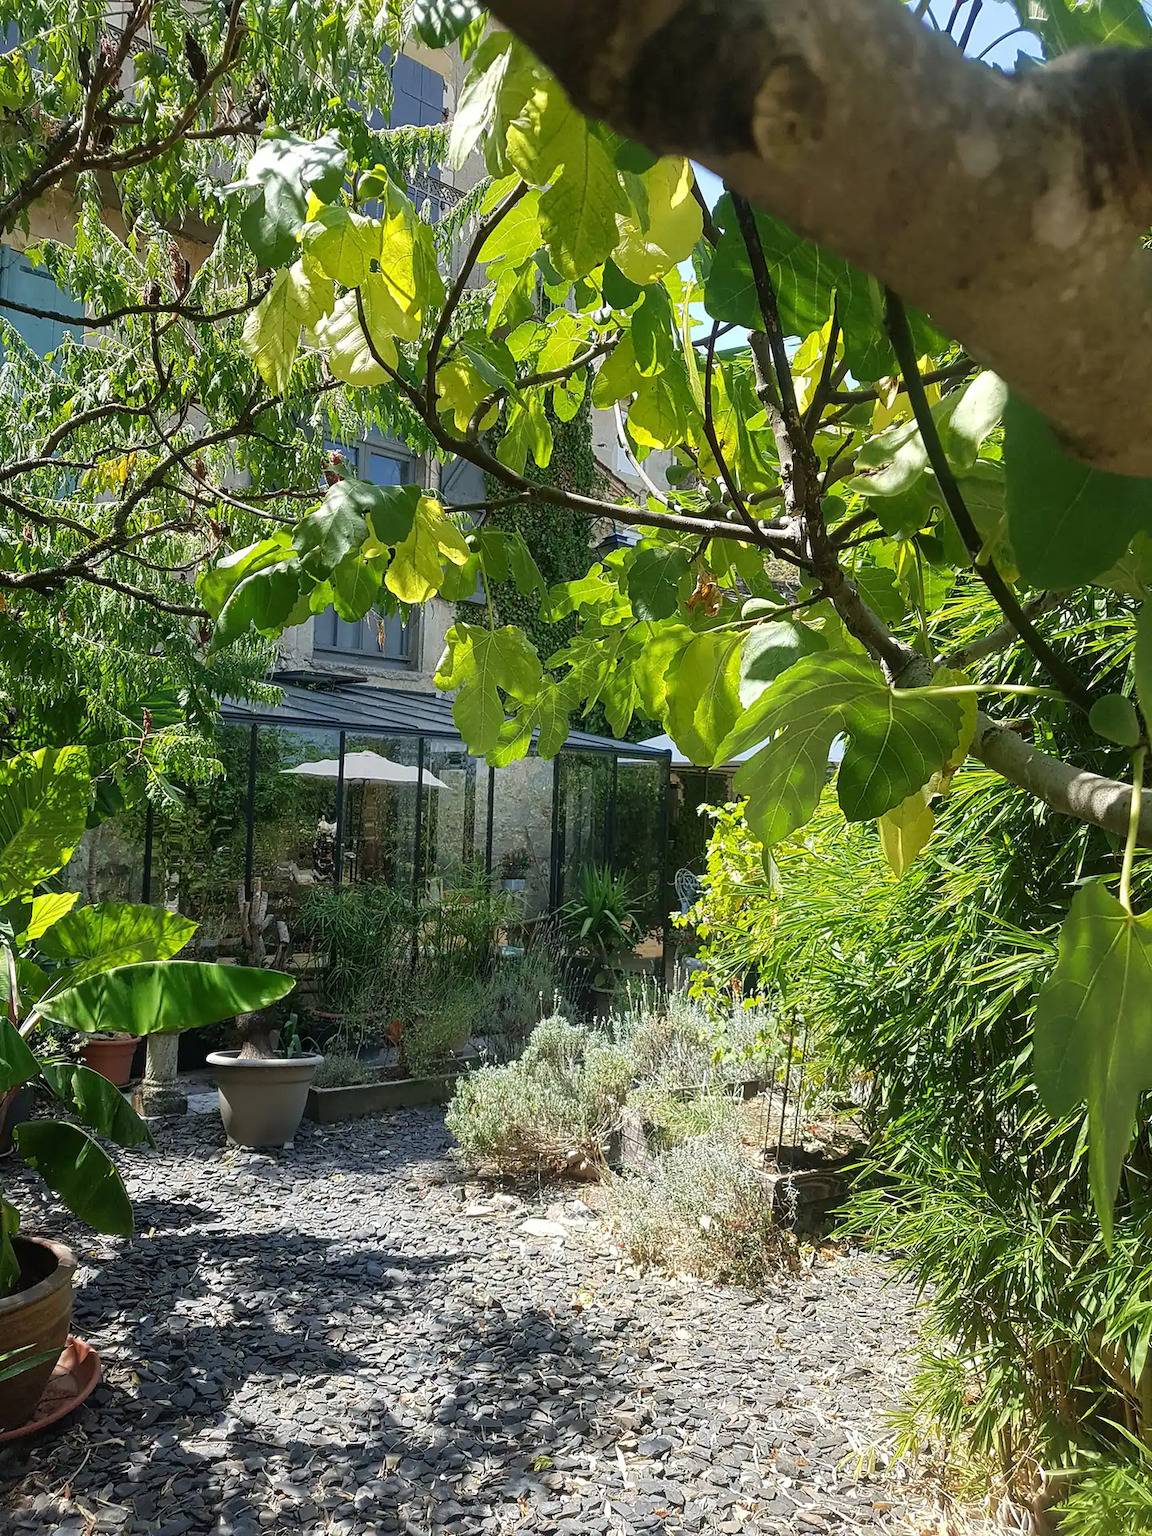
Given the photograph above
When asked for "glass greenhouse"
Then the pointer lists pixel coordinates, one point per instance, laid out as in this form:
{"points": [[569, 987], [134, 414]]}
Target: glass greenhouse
{"points": [[358, 783]]}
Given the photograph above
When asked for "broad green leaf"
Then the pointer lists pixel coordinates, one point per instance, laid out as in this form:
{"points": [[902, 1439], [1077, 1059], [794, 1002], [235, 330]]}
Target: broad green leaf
{"points": [[281, 173], [1068, 522], [343, 244], [217, 583], [965, 417], [262, 601], [547, 717], [17, 1063], [337, 528], [394, 296], [479, 664], [1093, 1031], [662, 643], [891, 463], [517, 237], [31, 984], [476, 106], [618, 377], [661, 414], [44, 799], [769, 650], [804, 276], [164, 997], [704, 695], [653, 336], [299, 297], [79, 1171], [905, 831], [355, 587], [896, 742], [97, 1102], [578, 211], [1114, 717], [417, 566], [113, 933], [1067, 24], [352, 356], [439, 23], [659, 577], [43, 911], [662, 227]]}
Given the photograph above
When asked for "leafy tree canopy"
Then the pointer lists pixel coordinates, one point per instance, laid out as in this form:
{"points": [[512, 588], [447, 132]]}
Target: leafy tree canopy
{"points": [[848, 525]]}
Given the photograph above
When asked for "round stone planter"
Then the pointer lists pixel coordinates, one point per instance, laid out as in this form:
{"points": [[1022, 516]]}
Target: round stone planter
{"points": [[36, 1319], [262, 1099], [111, 1056]]}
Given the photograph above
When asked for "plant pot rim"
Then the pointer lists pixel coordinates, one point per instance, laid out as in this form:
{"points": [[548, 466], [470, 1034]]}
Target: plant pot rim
{"points": [[234, 1059], [107, 1036], [62, 1275]]}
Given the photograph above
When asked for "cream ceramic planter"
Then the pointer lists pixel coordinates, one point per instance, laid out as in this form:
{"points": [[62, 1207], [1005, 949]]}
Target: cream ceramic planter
{"points": [[262, 1099]]}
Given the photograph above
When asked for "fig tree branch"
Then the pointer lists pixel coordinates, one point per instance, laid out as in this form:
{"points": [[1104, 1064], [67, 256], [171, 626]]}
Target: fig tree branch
{"points": [[971, 193]]}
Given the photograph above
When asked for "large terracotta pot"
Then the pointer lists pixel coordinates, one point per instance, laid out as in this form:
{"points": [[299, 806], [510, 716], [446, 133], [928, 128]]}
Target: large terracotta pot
{"points": [[38, 1318], [262, 1098], [111, 1056]]}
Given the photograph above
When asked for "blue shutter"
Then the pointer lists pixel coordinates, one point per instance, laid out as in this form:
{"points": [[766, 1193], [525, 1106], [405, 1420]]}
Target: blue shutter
{"points": [[23, 283]]}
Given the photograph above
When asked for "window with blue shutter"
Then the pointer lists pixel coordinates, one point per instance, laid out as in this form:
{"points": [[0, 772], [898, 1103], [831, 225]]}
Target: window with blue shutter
{"points": [[23, 283], [386, 638]]}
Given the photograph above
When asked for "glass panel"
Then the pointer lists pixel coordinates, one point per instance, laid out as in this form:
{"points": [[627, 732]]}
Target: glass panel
{"points": [[639, 848], [198, 848], [294, 822], [450, 815], [522, 830], [380, 810], [585, 789]]}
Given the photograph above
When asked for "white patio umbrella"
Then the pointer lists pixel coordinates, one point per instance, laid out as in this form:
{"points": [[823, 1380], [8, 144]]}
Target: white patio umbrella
{"points": [[366, 768]]}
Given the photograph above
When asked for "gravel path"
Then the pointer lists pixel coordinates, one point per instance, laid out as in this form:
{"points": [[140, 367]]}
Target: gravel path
{"points": [[344, 1339]]}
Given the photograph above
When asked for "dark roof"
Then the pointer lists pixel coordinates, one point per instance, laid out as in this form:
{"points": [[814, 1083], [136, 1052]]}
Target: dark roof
{"points": [[368, 710]]}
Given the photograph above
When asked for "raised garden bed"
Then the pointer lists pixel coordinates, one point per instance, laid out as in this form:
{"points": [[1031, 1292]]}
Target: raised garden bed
{"points": [[327, 1106]]}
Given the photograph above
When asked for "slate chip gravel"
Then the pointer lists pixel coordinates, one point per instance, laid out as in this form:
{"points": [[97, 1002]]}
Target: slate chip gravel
{"points": [[343, 1339]]}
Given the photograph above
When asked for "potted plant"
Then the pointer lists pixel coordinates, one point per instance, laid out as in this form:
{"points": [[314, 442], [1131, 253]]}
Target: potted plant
{"points": [[111, 1055], [600, 929], [103, 968], [264, 1083], [514, 867]]}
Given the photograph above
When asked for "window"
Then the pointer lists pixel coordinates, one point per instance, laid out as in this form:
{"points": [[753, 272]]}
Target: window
{"points": [[24, 283], [390, 638]]}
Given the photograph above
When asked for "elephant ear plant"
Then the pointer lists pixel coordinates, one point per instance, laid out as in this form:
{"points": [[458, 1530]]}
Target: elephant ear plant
{"points": [[108, 966]]}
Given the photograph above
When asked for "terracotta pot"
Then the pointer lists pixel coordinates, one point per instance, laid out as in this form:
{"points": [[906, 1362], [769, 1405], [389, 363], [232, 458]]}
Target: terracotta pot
{"points": [[262, 1099], [111, 1056], [38, 1318]]}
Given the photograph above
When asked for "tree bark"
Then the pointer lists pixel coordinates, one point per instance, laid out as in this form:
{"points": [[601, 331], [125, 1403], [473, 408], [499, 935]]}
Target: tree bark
{"points": [[1011, 209]]}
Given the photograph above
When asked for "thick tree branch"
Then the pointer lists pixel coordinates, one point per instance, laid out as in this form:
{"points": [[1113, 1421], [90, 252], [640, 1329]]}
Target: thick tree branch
{"points": [[973, 194]]}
